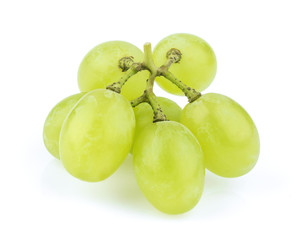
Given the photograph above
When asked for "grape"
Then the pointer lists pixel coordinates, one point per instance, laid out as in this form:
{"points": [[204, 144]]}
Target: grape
{"points": [[54, 121], [197, 66], [100, 68], [97, 135], [168, 165], [226, 133]]}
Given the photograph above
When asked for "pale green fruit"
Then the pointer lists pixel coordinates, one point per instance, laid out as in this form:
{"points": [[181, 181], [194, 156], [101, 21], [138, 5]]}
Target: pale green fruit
{"points": [[168, 165], [197, 67], [54, 121], [100, 68], [226, 133], [97, 135]]}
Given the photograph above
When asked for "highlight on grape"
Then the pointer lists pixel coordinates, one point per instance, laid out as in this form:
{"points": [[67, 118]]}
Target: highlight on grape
{"points": [[117, 113]]}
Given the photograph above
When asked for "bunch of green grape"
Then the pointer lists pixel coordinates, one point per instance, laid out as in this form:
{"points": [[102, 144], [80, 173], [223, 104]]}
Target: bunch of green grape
{"points": [[116, 113]]}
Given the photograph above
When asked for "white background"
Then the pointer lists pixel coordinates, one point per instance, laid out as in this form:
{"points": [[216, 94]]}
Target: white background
{"points": [[258, 49]]}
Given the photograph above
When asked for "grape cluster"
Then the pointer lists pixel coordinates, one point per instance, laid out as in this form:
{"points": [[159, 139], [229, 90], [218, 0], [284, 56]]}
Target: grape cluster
{"points": [[117, 113]]}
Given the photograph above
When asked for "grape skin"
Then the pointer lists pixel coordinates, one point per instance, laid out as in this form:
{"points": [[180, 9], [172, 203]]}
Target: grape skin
{"points": [[100, 68], [54, 121], [197, 67], [169, 168], [97, 135], [226, 133]]}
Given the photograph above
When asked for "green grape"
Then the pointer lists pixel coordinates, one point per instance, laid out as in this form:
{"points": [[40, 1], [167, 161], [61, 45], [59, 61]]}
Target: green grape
{"points": [[100, 68], [226, 133], [97, 135], [168, 165], [197, 66], [54, 121]]}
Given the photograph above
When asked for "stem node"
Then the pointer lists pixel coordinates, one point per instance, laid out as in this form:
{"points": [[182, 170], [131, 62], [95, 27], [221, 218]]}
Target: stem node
{"points": [[125, 63]]}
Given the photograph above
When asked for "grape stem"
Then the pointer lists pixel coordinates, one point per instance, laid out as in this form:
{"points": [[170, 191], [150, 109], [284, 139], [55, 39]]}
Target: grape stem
{"points": [[190, 93], [139, 100], [173, 56], [149, 95], [117, 86], [152, 100]]}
